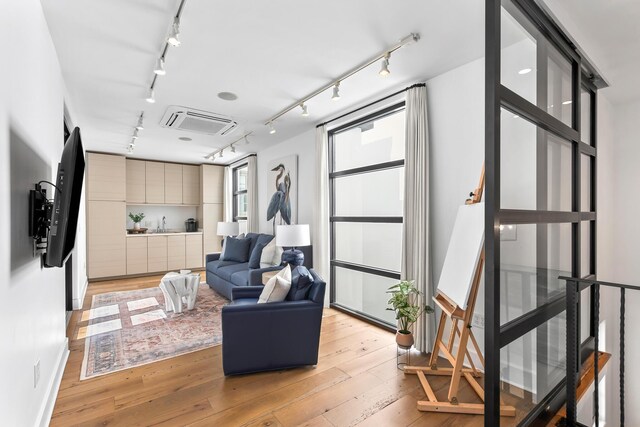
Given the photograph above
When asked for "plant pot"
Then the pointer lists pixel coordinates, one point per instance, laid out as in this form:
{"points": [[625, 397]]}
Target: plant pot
{"points": [[136, 226], [404, 339]]}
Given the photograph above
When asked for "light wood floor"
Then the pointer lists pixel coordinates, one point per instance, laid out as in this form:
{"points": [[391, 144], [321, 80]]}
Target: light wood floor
{"points": [[355, 383]]}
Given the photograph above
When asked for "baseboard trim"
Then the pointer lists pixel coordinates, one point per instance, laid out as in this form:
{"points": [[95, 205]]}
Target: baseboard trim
{"points": [[46, 411], [79, 301]]}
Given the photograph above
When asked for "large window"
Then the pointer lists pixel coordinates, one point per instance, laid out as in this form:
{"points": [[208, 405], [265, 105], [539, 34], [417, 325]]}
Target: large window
{"points": [[240, 193], [367, 191]]}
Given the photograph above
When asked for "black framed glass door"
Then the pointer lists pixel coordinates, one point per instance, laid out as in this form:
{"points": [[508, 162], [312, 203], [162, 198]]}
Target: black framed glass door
{"points": [[540, 150]]}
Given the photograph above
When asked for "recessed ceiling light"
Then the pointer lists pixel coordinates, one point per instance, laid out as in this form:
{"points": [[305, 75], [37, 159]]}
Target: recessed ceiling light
{"points": [[228, 96], [185, 138], [524, 71]]}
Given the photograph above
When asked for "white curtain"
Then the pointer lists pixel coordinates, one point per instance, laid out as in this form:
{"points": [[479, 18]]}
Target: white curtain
{"points": [[416, 257], [253, 222], [228, 194], [321, 210]]}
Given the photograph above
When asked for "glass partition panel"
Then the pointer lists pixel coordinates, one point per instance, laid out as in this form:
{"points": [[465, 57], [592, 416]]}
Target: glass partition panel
{"points": [[585, 183], [534, 363], [533, 257], [533, 162], [518, 66], [585, 116]]}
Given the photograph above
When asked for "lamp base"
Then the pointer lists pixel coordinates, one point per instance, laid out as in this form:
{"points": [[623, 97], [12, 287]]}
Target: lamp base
{"points": [[294, 257]]}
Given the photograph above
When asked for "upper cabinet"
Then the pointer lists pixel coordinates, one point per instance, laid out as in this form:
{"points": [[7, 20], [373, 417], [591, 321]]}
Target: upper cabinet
{"points": [[136, 170], [173, 183], [190, 185], [106, 177], [154, 184], [212, 184]]}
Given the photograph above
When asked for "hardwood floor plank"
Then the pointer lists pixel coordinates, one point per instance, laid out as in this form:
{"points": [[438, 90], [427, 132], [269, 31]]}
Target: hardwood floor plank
{"points": [[305, 409]]}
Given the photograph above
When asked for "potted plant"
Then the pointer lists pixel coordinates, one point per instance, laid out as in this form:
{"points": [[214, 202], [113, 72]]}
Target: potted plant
{"points": [[136, 218], [404, 301]]}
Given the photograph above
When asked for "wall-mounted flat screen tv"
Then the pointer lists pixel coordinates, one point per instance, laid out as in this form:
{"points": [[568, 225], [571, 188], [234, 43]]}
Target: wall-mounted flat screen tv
{"points": [[64, 218]]}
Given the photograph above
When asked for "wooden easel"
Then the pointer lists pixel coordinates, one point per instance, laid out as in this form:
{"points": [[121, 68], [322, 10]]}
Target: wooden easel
{"points": [[457, 315]]}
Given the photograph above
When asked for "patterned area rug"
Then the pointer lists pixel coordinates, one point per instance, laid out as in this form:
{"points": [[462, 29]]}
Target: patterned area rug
{"points": [[131, 328]]}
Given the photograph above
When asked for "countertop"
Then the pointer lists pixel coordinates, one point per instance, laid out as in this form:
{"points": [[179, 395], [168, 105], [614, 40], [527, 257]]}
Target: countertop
{"points": [[177, 233]]}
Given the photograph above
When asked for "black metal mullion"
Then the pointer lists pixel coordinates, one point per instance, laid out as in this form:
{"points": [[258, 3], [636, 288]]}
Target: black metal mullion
{"points": [[518, 105], [366, 269], [368, 219], [492, 211], [369, 168], [531, 320]]}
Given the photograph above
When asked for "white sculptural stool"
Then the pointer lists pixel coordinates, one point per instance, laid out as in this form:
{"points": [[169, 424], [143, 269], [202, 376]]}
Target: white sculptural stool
{"points": [[179, 289]]}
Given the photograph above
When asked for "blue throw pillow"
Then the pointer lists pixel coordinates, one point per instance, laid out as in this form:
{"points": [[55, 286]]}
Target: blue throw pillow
{"points": [[301, 281], [256, 254], [235, 250]]}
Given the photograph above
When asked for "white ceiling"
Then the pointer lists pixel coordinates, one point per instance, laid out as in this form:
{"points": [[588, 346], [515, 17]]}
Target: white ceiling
{"points": [[269, 53], [609, 33]]}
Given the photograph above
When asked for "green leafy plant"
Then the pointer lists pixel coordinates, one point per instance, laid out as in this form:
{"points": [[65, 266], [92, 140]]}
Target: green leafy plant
{"points": [[404, 301], [136, 217]]}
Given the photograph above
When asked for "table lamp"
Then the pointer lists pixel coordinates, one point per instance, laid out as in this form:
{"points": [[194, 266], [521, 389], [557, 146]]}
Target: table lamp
{"points": [[228, 229], [293, 236]]}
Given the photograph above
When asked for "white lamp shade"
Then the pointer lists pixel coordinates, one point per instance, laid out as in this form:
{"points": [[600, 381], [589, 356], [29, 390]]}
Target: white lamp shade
{"points": [[228, 229], [293, 235]]}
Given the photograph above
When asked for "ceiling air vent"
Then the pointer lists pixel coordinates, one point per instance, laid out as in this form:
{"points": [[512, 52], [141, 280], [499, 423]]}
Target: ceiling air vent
{"points": [[192, 120]]}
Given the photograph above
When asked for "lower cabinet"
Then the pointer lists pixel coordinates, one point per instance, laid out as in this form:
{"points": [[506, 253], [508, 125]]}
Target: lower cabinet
{"points": [[136, 255], [154, 254], [176, 252], [157, 253], [193, 251]]}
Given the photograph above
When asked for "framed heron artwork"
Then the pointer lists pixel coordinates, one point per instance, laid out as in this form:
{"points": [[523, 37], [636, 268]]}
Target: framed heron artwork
{"points": [[282, 188]]}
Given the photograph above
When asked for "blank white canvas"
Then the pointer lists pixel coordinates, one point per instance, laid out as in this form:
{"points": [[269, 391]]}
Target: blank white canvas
{"points": [[465, 247]]}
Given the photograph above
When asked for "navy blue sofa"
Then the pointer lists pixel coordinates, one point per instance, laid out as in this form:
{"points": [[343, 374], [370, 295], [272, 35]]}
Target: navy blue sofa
{"points": [[266, 337], [223, 276]]}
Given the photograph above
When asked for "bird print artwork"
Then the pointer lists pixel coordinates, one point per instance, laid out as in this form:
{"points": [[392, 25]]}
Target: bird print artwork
{"points": [[280, 203]]}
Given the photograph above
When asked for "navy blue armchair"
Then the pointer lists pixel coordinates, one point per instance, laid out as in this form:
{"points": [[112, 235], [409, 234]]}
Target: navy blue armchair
{"points": [[264, 337]]}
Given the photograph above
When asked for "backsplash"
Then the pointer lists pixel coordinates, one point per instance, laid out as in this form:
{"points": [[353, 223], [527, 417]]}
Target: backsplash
{"points": [[175, 216]]}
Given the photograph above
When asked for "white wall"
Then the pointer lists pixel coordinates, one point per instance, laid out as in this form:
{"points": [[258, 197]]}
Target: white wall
{"points": [[304, 146], [32, 319]]}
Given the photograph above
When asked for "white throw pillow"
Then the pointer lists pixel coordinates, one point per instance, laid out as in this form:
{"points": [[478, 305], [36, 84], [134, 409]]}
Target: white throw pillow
{"points": [[277, 287], [267, 254], [277, 256]]}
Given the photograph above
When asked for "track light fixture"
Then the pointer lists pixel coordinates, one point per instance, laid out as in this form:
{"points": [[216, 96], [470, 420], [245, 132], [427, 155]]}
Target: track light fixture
{"points": [[335, 84], [139, 126], [384, 69], [159, 68], [336, 92], [231, 146], [305, 112], [174, 34], [272, 130], [151, 96], [135, 135]]}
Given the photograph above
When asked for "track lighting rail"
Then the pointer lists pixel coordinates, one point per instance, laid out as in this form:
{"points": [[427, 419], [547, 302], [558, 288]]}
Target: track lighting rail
{"points": [[385, 54]]}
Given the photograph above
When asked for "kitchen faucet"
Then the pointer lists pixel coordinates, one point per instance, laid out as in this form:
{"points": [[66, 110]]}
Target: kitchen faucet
{"points": [[164, 230]]}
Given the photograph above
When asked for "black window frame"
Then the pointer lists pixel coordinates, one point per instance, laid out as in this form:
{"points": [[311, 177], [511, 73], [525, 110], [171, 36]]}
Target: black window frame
{"points": [[236, 192], [497, 96], [333, 218]]}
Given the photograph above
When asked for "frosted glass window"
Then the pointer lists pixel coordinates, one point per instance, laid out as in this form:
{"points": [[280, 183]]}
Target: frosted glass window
{"points": [[369, 244], [378, 141], [363, 292], [379, 193]]}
